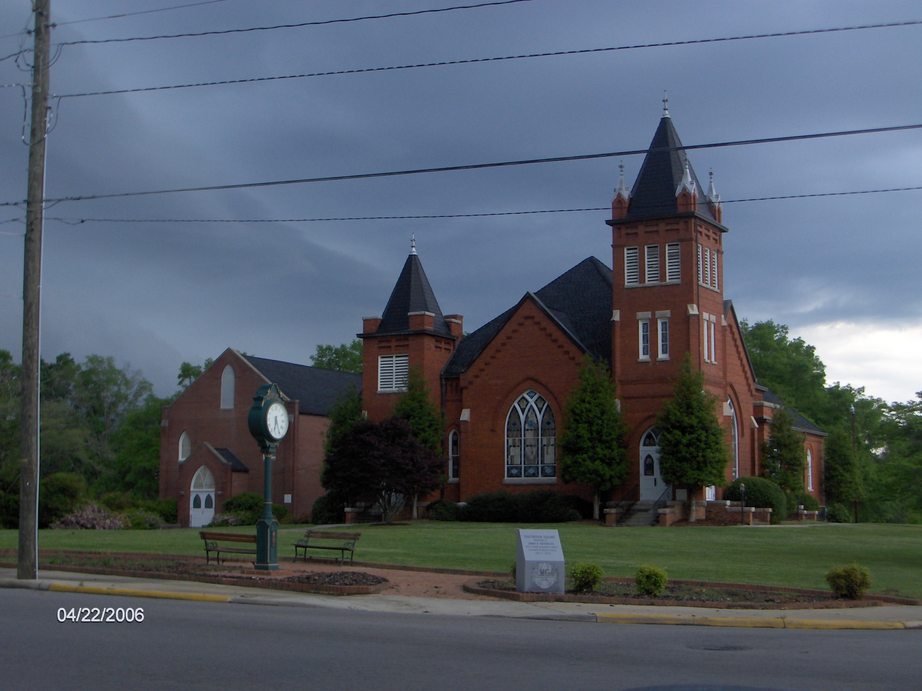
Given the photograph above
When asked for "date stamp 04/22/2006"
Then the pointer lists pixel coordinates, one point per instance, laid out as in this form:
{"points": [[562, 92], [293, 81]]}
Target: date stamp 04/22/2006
{"points": [[100, 615]]}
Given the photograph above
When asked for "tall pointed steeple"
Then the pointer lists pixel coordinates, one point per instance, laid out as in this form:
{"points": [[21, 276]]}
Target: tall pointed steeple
{"points": [[412, 294], [662, 176]]}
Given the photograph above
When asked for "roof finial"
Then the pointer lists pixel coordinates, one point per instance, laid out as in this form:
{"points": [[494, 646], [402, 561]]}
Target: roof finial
{"points": [[621, 190], [688, 183], [713, 197], [665, 103], [413, 244]]}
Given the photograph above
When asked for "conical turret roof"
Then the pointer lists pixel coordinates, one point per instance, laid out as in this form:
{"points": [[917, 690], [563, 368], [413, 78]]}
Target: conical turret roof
{"points": [[412, 293], [661, 175]]}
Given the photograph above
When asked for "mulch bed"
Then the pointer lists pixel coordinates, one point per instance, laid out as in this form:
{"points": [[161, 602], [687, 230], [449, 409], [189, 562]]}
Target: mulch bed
{"points": [[194, 569], [621, 591]]}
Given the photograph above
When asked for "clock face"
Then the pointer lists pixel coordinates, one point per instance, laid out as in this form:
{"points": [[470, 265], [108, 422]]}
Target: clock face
{"points": [[277, 421]]}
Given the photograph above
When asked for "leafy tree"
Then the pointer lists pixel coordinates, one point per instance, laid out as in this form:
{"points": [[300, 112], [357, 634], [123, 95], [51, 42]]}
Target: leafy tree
{"points": [[344, 358], [692, 450], [593, 441], [382, 461], [789, 367], [136, 444], [783, 454], [188, 373]]}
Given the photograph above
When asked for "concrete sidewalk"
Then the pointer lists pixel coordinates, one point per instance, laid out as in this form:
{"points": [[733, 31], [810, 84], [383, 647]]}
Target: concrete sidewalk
{"points": [[881, 617]]}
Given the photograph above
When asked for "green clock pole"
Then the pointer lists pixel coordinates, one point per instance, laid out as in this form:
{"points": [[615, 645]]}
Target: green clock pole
{"points": [[267, 552], [268, 423]]}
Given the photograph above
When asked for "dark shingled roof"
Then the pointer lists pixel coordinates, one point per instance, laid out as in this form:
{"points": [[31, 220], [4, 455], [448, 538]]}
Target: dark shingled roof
{"points": [[654, 193], [412, 293], [798, 421], [237, 466], [316, 389], [579, 300]]}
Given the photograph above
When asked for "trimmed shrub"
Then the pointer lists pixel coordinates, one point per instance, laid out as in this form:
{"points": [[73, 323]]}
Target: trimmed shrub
{"points": [[443, 510], [141, 519], [651, 581], [91, 517], [492, 507], [248, 507], [165, 508], [531, 507], [585, 577], [839, 513], [60, 494], [849, 582], [761, 493], [328, 509]]}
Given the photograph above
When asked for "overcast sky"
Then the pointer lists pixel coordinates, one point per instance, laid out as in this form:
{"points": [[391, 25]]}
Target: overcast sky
{"points": [[841, 271]]}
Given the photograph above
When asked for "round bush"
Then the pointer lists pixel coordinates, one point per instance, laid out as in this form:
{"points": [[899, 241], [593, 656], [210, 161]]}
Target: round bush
{"points": [[585, 577], [443, 510], [651, 581], [247, 506], [849, 582], [327, 510], [761, 493], [61, 494]]}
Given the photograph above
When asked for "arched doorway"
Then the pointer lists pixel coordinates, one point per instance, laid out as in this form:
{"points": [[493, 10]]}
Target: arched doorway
{"points": [[201, 498], [651, 480]]}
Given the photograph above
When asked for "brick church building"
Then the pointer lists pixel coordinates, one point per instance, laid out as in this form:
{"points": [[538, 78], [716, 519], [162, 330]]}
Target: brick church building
{"points": [[503, 388]]}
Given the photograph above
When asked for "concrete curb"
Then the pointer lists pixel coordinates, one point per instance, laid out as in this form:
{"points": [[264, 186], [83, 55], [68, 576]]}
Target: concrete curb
{"points": [[769, 622], [274, 598]]}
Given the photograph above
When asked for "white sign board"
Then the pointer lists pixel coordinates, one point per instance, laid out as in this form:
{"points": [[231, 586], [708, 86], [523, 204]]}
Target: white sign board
{"points": [[539, 563]]}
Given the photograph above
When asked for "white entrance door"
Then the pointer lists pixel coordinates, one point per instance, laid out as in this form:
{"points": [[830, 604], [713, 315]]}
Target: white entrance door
{"points": [[201, 498], [651, 481]]}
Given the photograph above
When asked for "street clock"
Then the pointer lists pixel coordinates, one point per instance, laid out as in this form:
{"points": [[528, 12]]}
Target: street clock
{"points": [[268, 417]]}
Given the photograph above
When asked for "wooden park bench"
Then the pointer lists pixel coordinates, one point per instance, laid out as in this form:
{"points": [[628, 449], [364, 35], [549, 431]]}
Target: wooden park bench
{"points": [[213, 540], [335, 540]]}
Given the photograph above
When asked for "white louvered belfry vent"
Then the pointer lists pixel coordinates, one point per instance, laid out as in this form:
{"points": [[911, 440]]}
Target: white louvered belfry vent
{"points": [[392, 372], [652, 263], [673, 263], [631, 266]]}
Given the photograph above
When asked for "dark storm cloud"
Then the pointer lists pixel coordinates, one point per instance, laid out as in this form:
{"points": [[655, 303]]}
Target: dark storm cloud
{"points": [[157, 294]]}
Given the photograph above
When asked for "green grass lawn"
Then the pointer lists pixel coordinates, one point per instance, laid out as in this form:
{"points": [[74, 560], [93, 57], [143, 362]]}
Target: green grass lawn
{"points": [[788, 555]]}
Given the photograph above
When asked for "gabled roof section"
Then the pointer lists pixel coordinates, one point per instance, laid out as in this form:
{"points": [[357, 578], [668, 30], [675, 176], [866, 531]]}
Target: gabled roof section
{"points": [[227, 456], [412, 293], [799, 422], [579, 300], [316, 389], [654, 192]]}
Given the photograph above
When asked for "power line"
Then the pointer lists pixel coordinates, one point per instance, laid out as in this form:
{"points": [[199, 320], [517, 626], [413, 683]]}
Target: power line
{"points": [[294, 25], [122, 15], [471, 61], [475, 166], [418, 217]]}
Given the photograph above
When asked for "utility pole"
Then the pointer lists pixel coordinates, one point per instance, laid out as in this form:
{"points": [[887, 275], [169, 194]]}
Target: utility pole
{"points": [[27, 564]]}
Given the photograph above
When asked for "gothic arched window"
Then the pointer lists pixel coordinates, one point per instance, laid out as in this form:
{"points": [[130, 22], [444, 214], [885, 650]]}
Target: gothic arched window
{"points": [[531, 438]]}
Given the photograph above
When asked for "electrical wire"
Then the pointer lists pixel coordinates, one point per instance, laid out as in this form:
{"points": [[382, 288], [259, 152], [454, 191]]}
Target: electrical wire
{"points": [[426, 217], [471, 61], [294, 25], [476, 166], [122, 15]]}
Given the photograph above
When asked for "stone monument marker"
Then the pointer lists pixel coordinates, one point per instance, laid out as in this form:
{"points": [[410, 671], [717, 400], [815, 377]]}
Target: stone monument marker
{"points": [[539, 563]]}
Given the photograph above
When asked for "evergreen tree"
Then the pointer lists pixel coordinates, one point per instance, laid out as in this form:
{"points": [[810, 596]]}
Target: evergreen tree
{"points": [[419, 411], [692, 450], [593, 441], [783, 455], [843, 477], [422, 416], [344, 415]]}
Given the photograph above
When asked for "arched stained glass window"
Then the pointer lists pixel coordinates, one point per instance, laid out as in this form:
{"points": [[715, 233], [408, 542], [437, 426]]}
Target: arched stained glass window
{"points": [[531, 438]]}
